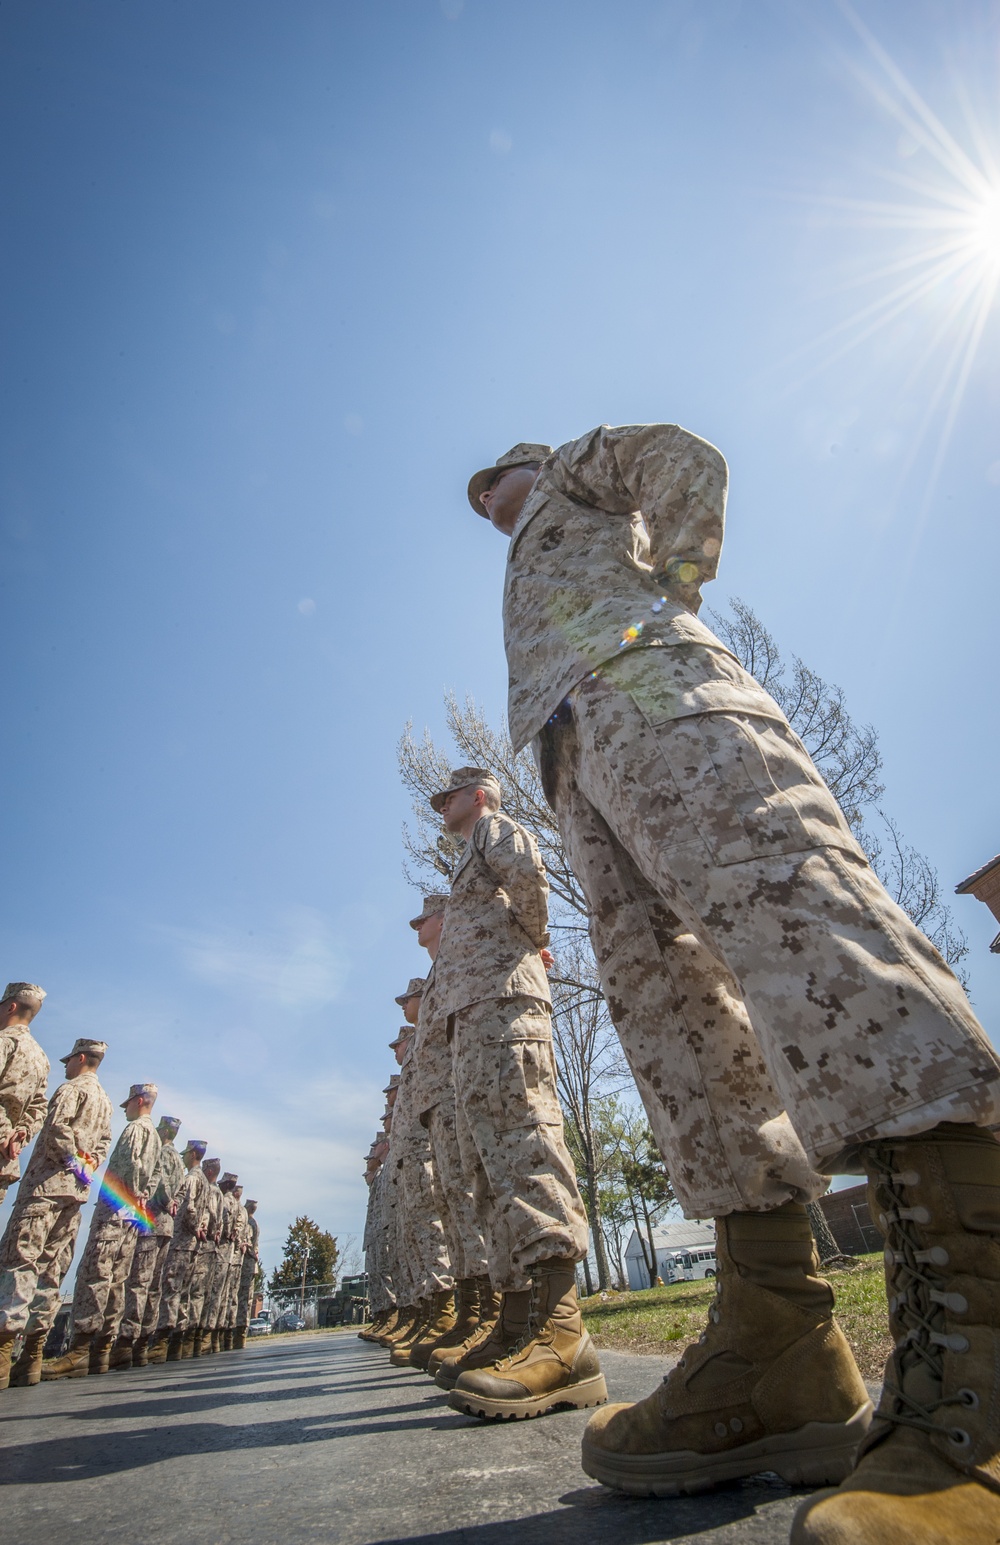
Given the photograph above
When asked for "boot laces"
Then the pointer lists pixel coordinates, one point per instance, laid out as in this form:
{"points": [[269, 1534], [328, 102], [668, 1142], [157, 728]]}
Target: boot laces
{"points": [[535, 1323], [917, 1302]]}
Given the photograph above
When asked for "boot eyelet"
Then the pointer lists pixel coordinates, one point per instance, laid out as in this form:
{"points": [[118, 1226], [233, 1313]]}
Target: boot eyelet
{"points": [[969, 1399], [720, 1429], [735, 1424], [959, 1438]]}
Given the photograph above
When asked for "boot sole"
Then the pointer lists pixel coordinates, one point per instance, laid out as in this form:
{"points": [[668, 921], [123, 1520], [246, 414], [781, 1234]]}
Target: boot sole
{"points": [[53, 1378], [818, 1454], [590, 1392]]}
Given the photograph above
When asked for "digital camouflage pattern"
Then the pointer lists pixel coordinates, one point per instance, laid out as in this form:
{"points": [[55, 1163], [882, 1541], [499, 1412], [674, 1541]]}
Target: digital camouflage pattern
{"points": [[145, 1278], [99, 1292], [178, 1271], [170, 1178], [862, 1027], [35, 1254], [24, 1072], [589, 577], [496, 921], [435, 1105], [217, 1284], [248, 1270], [204, 1257], [37, 1245], [76, 1132], [420, 1232], [717, 1119], [511, 1140]]}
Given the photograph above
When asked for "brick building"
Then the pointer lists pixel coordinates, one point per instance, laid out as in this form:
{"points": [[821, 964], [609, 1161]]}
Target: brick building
{"points": [[850, 1221], [985, 886]]}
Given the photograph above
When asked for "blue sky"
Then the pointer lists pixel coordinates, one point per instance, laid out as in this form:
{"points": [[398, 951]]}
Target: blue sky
{"points": [[277, 280]]}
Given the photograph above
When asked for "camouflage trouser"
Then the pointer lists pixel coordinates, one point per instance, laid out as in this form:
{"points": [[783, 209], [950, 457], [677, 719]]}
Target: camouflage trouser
{"points": [[247, 1274], [510, 1136], [453, 1192], [233, 1289], [99, 1295], [142, 1290], [35, 1255], [824, 1001], [215, 1288], [201, 1281], [178, 1272]]}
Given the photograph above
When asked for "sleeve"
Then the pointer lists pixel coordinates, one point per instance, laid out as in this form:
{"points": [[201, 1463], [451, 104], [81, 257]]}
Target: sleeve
{"points": [[189, 1211], [103, 1137], [6, 1055], [33, 1113], [677, 482], [511, 855], [60, 1129]]}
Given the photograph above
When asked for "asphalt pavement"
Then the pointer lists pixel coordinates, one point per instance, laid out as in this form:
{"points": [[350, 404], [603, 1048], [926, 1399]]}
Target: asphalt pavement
{"points": [[314, 1437]]}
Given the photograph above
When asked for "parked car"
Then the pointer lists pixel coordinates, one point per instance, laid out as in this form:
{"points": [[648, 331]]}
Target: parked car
{"points": [[289, 1321], [260, 1326]]}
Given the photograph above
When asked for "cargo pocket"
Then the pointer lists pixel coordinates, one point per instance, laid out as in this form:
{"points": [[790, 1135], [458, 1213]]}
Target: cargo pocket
{"points": [[520, 1084]]}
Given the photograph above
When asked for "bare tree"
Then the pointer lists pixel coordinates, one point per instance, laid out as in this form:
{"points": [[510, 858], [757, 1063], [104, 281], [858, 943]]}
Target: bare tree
{"points": [[849, 759]]}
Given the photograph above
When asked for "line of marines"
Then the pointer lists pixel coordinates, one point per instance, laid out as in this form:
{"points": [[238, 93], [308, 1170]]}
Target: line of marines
{"points": [[171, 1256]]}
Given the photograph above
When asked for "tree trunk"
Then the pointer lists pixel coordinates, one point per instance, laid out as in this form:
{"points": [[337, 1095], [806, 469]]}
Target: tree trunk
{"points": [[651, 1257], [825, 1242], [642, 1243], [596, 1228], [588, 1279]]}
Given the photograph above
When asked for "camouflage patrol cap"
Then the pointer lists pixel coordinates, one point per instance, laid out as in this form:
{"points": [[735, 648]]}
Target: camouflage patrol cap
{"points": [[169, 1125], [414, 990], [523, 455], [404, 1035], [392, 1084], [465, 778], [431, 907], [228, 1179], [250, 1202], [139, 1092], [88, 1047], [211, 1163], [28, 993], [196, 1145]]}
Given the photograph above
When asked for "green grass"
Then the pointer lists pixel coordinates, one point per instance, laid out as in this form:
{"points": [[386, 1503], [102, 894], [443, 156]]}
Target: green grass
{"points": [[667, 1318]]}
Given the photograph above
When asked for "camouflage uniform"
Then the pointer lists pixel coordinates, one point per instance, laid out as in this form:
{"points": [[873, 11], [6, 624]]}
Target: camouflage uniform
{"points": [[676, 777], [179, 1269], [435, 1102], [37, 1245], [248, 1270], [492, 984], [240, 1240], [142, 1291], [205, 1257], [24, 1072], [421, 1250], [213, 1313], [99, 1295]]}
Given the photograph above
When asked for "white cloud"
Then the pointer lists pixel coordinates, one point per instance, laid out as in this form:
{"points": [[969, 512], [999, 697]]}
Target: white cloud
{"points": [[298, 964]]}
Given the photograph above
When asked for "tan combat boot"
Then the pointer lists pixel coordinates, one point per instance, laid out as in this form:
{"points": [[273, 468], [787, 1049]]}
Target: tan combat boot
{"points": [[399, 1350], [771, 1384], [74, 1364], [239, 1338], [7, 1339], [387, 1322], [553, 1364], [229, 1340], [441, 1320], [466, 1319], [929, 1471], [487, 1307], [405, 1321], [491, 1342], [123, 1355], [140, 1352], [100, 1354], [189, 1338], [28, 1368], [174, 1344]]}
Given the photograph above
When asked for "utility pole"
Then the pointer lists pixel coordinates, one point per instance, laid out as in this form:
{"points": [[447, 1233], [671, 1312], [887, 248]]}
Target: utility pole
{"points": [[302, 1297]]}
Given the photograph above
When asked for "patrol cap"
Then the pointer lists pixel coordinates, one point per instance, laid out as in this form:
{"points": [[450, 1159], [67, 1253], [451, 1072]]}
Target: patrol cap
{"points": [[465, 778], [229, 1179], [216, 1162], [169, 1124], [237, 1192], [414, 990], [196, 1145], [88, 1047], [139, 1092], [404, 1035], [523, 455], [431, 907], [28, 993], [392, 1084], [250, 1202]]}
